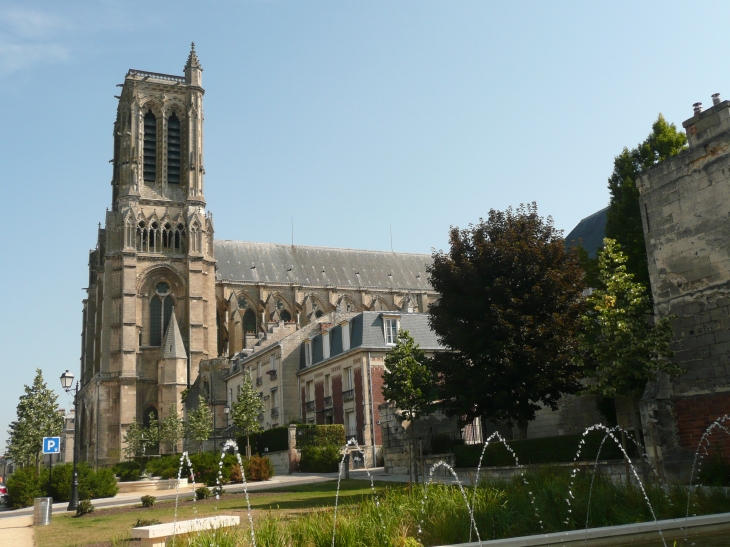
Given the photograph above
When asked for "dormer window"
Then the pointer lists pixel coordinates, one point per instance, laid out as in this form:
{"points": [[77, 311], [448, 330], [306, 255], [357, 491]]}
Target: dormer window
{"points": [[326, 345], [390, 329], [345, 329], [308, 353]]}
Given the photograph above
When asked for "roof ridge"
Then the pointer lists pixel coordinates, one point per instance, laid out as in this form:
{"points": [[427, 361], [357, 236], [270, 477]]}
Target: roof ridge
{"points": [[321, 247]]}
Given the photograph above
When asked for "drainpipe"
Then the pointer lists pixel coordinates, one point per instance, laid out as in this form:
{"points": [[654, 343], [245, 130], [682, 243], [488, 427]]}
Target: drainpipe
{"points": [[372, 408]]}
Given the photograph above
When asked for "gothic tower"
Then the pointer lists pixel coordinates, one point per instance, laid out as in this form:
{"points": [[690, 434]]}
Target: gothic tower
{"points": [[149, 317]]}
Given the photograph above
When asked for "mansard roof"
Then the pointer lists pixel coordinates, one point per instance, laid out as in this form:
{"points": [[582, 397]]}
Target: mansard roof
{"points": [[243, 261], [589, 233]]}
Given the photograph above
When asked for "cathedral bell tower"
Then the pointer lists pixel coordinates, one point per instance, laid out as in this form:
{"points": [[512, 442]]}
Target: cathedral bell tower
{"points": [[149, 315]]}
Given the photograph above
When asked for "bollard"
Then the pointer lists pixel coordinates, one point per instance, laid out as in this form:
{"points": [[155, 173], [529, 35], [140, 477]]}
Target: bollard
{"points": [[42, 509]]}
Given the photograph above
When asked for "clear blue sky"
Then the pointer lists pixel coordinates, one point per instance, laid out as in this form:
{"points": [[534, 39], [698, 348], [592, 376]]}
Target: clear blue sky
{"points": [[352, 117]]}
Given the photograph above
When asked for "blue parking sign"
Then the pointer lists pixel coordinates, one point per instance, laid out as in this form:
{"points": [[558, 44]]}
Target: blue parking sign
{"points": [[51, 445]]}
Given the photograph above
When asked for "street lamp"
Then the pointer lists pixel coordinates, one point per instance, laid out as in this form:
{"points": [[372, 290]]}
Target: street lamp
{"points": [[67, 381]]}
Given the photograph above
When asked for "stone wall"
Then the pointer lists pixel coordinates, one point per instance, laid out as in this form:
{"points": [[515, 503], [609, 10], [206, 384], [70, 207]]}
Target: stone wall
{"points": [[685, 205]]}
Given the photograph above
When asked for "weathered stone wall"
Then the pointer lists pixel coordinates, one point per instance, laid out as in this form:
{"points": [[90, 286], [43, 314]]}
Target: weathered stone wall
{"points": [[685, 207]]}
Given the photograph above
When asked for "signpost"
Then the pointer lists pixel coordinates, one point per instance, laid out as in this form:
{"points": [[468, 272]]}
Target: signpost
{"points": [[51, 445]]}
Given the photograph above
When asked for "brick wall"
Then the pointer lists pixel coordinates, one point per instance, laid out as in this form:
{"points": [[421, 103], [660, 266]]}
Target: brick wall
{"points": [[319, 402], [695, 414], [359, 417], [337, 409], [377, 395]]}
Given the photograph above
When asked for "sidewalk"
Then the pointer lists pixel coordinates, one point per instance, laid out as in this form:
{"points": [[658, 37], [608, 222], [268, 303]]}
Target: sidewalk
{"points": [[17, 531], [133, 498]]}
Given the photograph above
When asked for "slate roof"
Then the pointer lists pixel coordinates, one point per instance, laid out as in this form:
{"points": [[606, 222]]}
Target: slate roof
{"points": [[243, 261], [589, 233], [366, 331], [173, 347]]}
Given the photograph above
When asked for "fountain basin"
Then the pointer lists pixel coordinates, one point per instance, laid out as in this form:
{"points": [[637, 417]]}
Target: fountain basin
{"points": [[617, 535]]}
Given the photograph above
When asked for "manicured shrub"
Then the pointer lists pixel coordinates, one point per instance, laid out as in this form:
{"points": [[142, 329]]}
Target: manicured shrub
{"points": [[23, 486], [316, 459], [205, 468], [545, 450], [443, 443], [202, 493], [258, 468], [156, 466], [171, 473], [127, 471], [236, 475], [92, 484], [84, 508], [148, 501], [320, 435]]}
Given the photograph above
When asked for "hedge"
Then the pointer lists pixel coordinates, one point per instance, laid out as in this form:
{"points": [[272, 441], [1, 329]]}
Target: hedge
{"points": [[320, 459], [320, 435], [560, 449], [275, 440]]}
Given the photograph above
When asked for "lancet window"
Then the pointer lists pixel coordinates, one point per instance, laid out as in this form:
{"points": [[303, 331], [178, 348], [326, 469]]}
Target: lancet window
{"points": [[150, 147], [156, 238], [161, 306], [173, 150]]}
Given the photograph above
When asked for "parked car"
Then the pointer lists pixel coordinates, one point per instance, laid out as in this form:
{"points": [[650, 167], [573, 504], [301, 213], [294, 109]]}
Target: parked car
{"points": [[3, 494]]}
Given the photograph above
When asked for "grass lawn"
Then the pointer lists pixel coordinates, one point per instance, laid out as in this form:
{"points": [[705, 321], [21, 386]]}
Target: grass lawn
{"points": [[105, 525]]}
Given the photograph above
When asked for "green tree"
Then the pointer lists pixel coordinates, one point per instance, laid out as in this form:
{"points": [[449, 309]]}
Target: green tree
{"points": [[509, 313], [407, 381], [37, 417], [133, 439], [200, 423], [171, 429], [623, 219], [246, 409], [622, 348]]}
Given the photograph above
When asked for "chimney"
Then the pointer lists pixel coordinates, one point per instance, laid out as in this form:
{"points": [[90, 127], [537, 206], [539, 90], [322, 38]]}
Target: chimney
{"points": [[697, 108], [716, 98]]}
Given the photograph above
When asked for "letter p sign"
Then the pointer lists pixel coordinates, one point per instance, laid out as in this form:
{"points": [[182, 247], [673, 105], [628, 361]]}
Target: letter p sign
{"points": [[51, 445]]}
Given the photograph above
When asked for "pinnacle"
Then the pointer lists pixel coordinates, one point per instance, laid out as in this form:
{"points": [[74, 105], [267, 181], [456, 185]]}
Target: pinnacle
{"points": [[193, 61]]}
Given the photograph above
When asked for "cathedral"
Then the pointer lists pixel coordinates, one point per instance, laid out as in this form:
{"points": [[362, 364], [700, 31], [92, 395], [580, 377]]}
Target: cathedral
{"points": [[164, 296]]}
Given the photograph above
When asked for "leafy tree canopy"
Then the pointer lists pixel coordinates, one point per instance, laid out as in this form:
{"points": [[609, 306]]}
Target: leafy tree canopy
{"points": [[200, 422], [247, 407], [623, 221], [622, 347], [509, 310], [37, 417], [407, 380]]}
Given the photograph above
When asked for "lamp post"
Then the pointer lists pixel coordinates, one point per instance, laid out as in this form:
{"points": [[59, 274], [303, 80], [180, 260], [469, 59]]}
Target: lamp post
{"points": [[227, 412], [67, 383]]}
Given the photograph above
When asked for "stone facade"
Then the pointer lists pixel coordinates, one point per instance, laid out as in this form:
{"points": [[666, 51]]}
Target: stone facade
{"points": [[685, 206]]}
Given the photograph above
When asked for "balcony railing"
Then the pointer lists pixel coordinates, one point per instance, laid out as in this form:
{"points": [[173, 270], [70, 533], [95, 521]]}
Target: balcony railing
{"points": [[274, 412], [156, 76], [310, 406], [261, 416], [259, 381], [272, 374], [351, 434], [328, 402], [349, 394]]}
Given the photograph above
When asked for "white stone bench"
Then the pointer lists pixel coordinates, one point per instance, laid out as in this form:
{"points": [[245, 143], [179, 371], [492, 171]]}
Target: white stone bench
{"points": [[157, 534]]}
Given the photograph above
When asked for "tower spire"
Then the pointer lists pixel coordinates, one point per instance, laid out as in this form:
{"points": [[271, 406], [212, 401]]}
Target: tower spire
{"points": [[193, 69]]}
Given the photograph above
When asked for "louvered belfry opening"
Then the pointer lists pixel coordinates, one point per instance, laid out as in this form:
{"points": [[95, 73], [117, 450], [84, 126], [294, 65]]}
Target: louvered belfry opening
{"points": [[173, 150], [150, 146]]}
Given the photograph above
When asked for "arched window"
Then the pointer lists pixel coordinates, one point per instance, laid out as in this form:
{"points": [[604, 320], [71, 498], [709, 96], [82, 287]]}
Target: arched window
{"points": [[196, 239], [160, 312], [129, 233], [173, 150], [249, 322], [154, 238], [150, 413], [180, 239], [142, 236], [150, 147], [167, 236], [285, 316]]}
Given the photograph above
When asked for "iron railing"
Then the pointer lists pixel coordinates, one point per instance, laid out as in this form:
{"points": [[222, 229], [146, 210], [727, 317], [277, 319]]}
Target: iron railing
{"points": [[310, 406], [259, 381], [349, 394]]}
